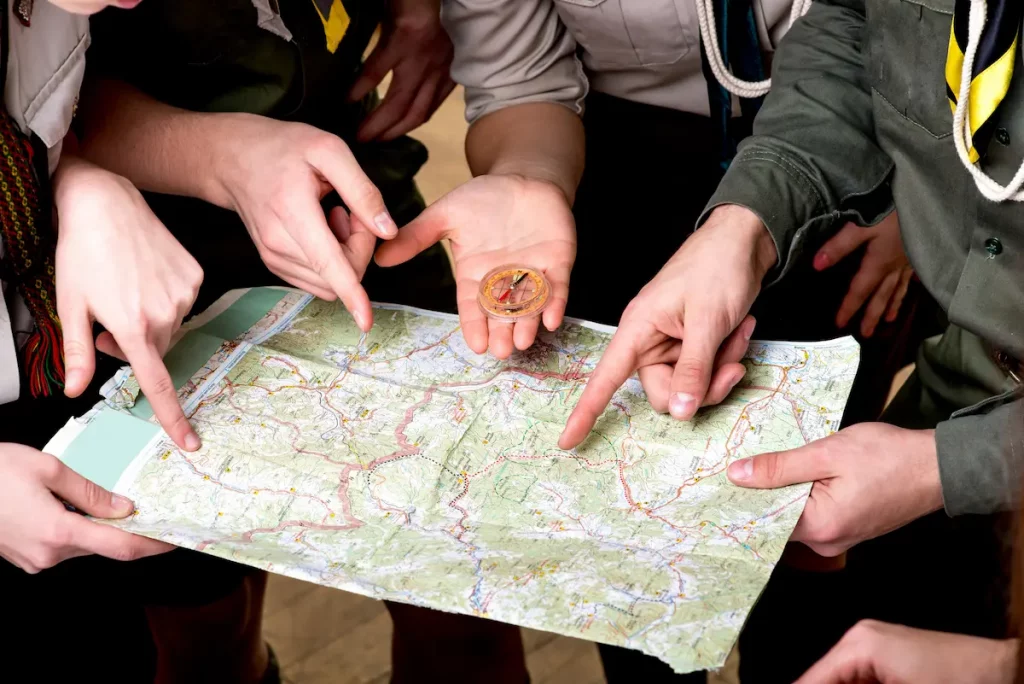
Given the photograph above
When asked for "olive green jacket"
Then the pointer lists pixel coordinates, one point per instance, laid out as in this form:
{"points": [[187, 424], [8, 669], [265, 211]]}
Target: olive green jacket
{"points": [[858, 118]]}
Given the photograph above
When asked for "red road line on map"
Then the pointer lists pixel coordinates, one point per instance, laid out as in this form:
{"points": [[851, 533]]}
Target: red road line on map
{"points": [[385, 507], [442, 342], [536, 375], [406, 450], [781, 508], [291, 365], [247, 536], [558, 509], [625, 488], [239, 490]]}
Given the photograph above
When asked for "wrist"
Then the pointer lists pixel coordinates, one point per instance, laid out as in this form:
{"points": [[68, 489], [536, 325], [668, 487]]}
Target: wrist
{"points": [[536, 173], [925, 479], [745, 226], [224, 140], [77, 177]]}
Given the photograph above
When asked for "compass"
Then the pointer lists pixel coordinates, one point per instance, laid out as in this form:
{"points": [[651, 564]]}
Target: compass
{"points": [[509, 293]]}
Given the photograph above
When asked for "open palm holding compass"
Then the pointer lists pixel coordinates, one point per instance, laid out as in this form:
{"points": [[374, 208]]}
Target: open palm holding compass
{"points": [[514, 242]]}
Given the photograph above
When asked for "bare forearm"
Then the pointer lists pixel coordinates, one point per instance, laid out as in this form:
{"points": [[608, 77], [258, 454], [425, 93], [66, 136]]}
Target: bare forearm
{"points": [[537, 140], [154, 145]]}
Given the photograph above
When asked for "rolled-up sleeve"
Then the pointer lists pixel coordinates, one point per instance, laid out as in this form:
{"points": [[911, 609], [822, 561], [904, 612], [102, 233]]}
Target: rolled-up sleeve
{"points": [[510, 52]]}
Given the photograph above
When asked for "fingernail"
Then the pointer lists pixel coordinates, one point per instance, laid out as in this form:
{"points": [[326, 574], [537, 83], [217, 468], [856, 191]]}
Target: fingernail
{"points": [[192, 441], [385, 224], [360, 320], [748, 331], [681, 406], [74, 377], [821, 261], [121, 504], [741, 471]]}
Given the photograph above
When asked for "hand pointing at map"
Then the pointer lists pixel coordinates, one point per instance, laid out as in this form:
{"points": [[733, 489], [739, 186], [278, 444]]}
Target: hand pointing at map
{"points": [[490, 221], [275, 178], [117, 264], [273, 173], [688, 328]]}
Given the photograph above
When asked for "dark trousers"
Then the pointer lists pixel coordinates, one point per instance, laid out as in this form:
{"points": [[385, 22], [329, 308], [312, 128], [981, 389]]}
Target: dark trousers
{"points": [[649, 174]]}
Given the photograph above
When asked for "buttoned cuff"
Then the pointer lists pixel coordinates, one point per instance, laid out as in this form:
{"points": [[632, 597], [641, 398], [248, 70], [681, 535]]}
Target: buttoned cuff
{"points": [[981, 457]]}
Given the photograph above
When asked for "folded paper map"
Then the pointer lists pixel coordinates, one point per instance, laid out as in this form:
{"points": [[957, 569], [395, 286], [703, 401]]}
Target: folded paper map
{"points": [[400, 465]]}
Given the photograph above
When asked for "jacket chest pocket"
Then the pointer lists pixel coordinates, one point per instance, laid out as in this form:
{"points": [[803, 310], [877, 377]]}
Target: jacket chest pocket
{"points": [[630, 33], [907, 45]]}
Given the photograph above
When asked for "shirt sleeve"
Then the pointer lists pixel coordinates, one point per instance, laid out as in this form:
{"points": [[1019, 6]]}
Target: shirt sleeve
{"points": [[812, 163], [981, 456], [510, 52]]}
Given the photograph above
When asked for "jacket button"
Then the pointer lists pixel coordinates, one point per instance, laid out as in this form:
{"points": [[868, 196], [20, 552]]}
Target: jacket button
{"points": [[993, 246], [1003, 136]]}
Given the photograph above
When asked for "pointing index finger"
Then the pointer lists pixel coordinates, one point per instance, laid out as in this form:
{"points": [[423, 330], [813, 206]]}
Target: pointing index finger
{"points": [[615, 367], [155, 382], [327, 259]]}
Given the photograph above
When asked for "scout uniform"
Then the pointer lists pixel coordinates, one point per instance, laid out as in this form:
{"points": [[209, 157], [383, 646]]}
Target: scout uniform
{"points": [[861, 114], [878, 121], [290, 60]]}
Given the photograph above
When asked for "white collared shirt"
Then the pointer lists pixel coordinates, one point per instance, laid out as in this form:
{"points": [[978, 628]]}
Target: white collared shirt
{"points": [[510, 52]]}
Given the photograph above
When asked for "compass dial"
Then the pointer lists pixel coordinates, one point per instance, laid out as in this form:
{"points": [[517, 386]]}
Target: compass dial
{"points": [[512, 292]]}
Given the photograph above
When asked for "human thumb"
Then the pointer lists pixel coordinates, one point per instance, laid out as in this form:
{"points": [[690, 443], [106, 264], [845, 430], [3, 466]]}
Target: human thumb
{"points": [[87, 496], [424, 232], [778, 469]]}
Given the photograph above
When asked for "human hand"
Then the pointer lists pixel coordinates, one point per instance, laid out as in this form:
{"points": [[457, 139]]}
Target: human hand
{"points": [[869, 479], [688, 329], [274, 174], [892, 654], [416, 49], [884, 273], [93, 6], [117, 264], [37, 531], [490, 221]]}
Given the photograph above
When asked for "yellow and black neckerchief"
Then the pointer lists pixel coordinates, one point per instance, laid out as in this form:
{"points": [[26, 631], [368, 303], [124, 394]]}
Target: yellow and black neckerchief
{"points": [[336, 21], [993, 64]]}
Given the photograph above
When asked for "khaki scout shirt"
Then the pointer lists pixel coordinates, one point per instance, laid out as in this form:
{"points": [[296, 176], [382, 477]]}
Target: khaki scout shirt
{"points": [[857, 117], [511, 52], [46, 64]]}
